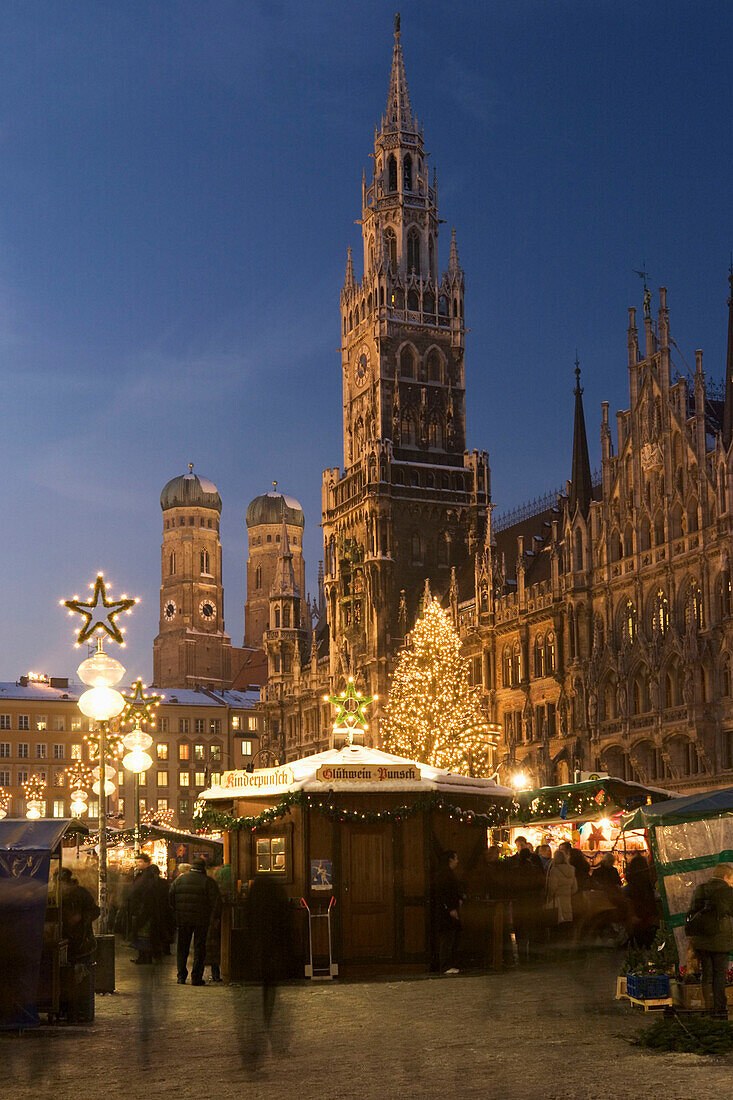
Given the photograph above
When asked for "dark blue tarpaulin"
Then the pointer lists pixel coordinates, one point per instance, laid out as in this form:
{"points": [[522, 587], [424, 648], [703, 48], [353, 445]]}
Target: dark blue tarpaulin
{"points": [[25, 855]]}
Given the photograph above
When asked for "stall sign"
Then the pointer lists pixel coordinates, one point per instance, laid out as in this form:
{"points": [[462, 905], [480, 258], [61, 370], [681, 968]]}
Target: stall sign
{"points": [[321, 874], [367, 773], [266, 779]]}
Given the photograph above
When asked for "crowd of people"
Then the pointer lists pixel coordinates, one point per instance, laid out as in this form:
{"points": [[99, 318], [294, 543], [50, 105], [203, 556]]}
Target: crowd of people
{"points": [[548, 898]]}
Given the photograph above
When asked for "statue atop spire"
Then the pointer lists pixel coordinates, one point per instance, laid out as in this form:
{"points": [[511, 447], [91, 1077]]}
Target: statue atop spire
{"points": [[398, 115]]}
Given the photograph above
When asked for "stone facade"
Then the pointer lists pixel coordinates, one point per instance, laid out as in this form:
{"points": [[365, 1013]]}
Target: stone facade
{"points": [[600, 627]]}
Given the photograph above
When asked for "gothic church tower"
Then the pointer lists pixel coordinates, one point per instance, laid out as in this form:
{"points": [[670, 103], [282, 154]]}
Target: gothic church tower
{"points": [[410, 502], [192, 647]]}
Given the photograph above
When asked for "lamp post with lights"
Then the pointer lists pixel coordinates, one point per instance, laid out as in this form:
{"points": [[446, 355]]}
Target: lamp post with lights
{"points": [[141, 709], [101, 702]]}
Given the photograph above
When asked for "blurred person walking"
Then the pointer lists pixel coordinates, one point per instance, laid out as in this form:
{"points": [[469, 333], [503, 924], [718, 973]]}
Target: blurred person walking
{"points": [[710, 928], [561, 885], [448, 897]]}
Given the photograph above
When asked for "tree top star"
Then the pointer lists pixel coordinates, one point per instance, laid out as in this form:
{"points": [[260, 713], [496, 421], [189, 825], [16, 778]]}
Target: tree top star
{"points": [[350, 707], [94, 621]]}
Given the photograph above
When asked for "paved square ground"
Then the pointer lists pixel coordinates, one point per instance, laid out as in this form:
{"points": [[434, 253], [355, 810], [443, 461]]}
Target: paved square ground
{"points": [[550, 1032]]}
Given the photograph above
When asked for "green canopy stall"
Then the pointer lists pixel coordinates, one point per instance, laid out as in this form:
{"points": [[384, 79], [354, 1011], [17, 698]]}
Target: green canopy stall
{"points": [[688, 837]]}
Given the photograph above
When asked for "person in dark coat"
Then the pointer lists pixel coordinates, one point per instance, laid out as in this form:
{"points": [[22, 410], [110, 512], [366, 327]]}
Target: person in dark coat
{"points": [[448, 896], [144, 910], [528, 893], [193, 898], [642, 900], [163, 927], [213, 938], [79, 910], [267, 920], [605, 876], [712, 950]]}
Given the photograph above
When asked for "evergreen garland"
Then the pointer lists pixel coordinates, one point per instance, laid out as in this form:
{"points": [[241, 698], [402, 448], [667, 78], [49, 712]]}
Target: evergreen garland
{"points": [[206, 817]]}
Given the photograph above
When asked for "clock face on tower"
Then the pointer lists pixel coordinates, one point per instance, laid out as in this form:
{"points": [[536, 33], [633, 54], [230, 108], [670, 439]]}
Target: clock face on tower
{"points": [[207, 610], [169, 611], [361, 367]]}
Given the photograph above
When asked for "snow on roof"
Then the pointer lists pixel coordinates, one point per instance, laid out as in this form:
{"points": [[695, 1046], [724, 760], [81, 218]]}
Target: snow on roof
{"points": [[40, 692], [353, 768], [43, 693]]}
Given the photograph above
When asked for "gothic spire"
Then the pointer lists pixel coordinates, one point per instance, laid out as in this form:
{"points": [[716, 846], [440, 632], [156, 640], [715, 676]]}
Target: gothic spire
{"points": [[349, 279], [454, 264], [283, 583], [728, 406], [581, 484], [398, 114]]}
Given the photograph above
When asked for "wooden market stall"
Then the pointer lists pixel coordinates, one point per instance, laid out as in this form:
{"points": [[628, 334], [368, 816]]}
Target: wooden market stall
{"points": [[365, 829], [588, 814]]}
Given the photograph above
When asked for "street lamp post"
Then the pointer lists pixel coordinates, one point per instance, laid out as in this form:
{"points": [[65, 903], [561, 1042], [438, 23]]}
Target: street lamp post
{"points": [[137, 760], [101, 702]]}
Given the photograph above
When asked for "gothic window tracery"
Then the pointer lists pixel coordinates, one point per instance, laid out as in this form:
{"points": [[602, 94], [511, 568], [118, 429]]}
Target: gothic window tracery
{"points": [[550, 653], [539, 655], [693, 606], [660, 613], [407, 362], [407, 173], [204, 557], [413, 251], [390, 241], [434, 366], [628, 621], [506, 666], [391, 173], [517, 671]]}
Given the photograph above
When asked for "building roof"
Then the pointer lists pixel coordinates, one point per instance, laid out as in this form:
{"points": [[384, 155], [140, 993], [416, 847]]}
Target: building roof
{"points": [[41, 693], [311, 773], [268, 508], [190, 490]]}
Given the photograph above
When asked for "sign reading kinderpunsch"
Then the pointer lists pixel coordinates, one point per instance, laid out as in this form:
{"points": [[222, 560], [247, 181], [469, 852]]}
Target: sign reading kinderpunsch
{"points": [[266, 779], [367, 773]]}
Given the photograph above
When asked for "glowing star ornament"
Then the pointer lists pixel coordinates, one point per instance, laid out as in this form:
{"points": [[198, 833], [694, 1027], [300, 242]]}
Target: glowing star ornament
{"points": [[138, 704], [100, 613], [350, 708]]}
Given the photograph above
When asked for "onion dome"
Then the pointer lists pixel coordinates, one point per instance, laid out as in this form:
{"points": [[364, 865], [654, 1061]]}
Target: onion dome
{"points": [[190, 490], [271, 507]]}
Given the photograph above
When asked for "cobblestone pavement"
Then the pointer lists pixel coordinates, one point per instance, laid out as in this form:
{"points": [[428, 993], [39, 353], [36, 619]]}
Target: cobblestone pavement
{"points": [[549, 1032]]}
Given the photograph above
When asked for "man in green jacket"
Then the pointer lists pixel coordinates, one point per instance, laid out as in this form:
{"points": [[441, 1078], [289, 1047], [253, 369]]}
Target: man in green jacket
{"points": [[713, 949]]}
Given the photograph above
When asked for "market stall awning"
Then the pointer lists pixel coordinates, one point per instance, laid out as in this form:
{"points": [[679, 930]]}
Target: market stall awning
{"points": [[351, 769], [21, 835], [694, 807], [582, 801]]}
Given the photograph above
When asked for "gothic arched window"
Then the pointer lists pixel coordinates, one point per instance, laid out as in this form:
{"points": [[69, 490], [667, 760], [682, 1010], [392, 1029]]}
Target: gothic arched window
{"points": [[413, 300], [409, 436], [390, 242], [277, 617], [539, 655], [407, 362], [434, 371], [407, 173], [725, 676], [724, 593], [660, 612], [413, 251], [506, 667], [286, 615], [550, 654], [392, 174], [628, 621], [205, 561], [517, 671], [693, 606], [416, 547]]}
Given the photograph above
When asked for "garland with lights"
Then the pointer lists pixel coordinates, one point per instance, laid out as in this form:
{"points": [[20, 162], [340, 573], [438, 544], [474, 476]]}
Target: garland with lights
{"points": [[221, 819], [433, 715], [570, 805]]}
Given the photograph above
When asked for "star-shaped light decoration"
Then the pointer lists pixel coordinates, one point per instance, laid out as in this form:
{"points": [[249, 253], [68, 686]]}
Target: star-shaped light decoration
{"points": [[91, 610], [139, 704], [350, 707]]}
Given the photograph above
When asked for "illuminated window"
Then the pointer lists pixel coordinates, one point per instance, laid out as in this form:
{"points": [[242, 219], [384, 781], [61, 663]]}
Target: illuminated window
{"points": [[215, 779], [629, 621], [184, 779], [161, 751], [198, 752], [76, 752], [183, 752], [660, 612], [94, 806], [41, 722], [236, 722], [215, 752], [246, 748], [162, 803], [162, 779], [270, 854], [550, 654], [693, 606], [57, 779], [252, 723], [58, 807], [143, 779], [199, 779]]}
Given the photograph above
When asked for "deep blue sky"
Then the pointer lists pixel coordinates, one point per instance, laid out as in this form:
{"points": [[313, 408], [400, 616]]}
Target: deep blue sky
{"points": [[178, 185]]}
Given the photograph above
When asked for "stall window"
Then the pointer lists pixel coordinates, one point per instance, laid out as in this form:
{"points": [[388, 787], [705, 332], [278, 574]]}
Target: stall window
{"points": [[271, 854]]}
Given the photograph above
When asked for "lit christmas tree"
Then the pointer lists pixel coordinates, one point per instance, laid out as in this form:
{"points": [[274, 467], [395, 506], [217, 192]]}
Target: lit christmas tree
{"points": [[433, 715]]}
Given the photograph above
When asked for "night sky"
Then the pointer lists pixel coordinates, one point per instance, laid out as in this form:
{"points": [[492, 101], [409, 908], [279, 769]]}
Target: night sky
{"points": [[179, 182]]}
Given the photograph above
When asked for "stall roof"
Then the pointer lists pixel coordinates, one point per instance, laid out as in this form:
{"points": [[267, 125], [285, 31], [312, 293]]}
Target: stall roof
{"points": [[692, 808], [621, 791], [22, 835], [353, 768], [114, 836]]}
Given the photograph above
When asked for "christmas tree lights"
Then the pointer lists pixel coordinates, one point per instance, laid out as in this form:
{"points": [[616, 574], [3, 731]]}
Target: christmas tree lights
{"points": [[433, 715]]}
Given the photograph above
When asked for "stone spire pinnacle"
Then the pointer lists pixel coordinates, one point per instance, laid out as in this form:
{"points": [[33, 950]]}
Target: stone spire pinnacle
{"points": [[581, 483], [349, 280], [283, 583], [454, 264], [398, 114], [728, 406]]}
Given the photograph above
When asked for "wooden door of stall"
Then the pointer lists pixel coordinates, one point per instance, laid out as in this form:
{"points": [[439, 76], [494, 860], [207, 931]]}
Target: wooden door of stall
{"points": [[367, 892]]}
